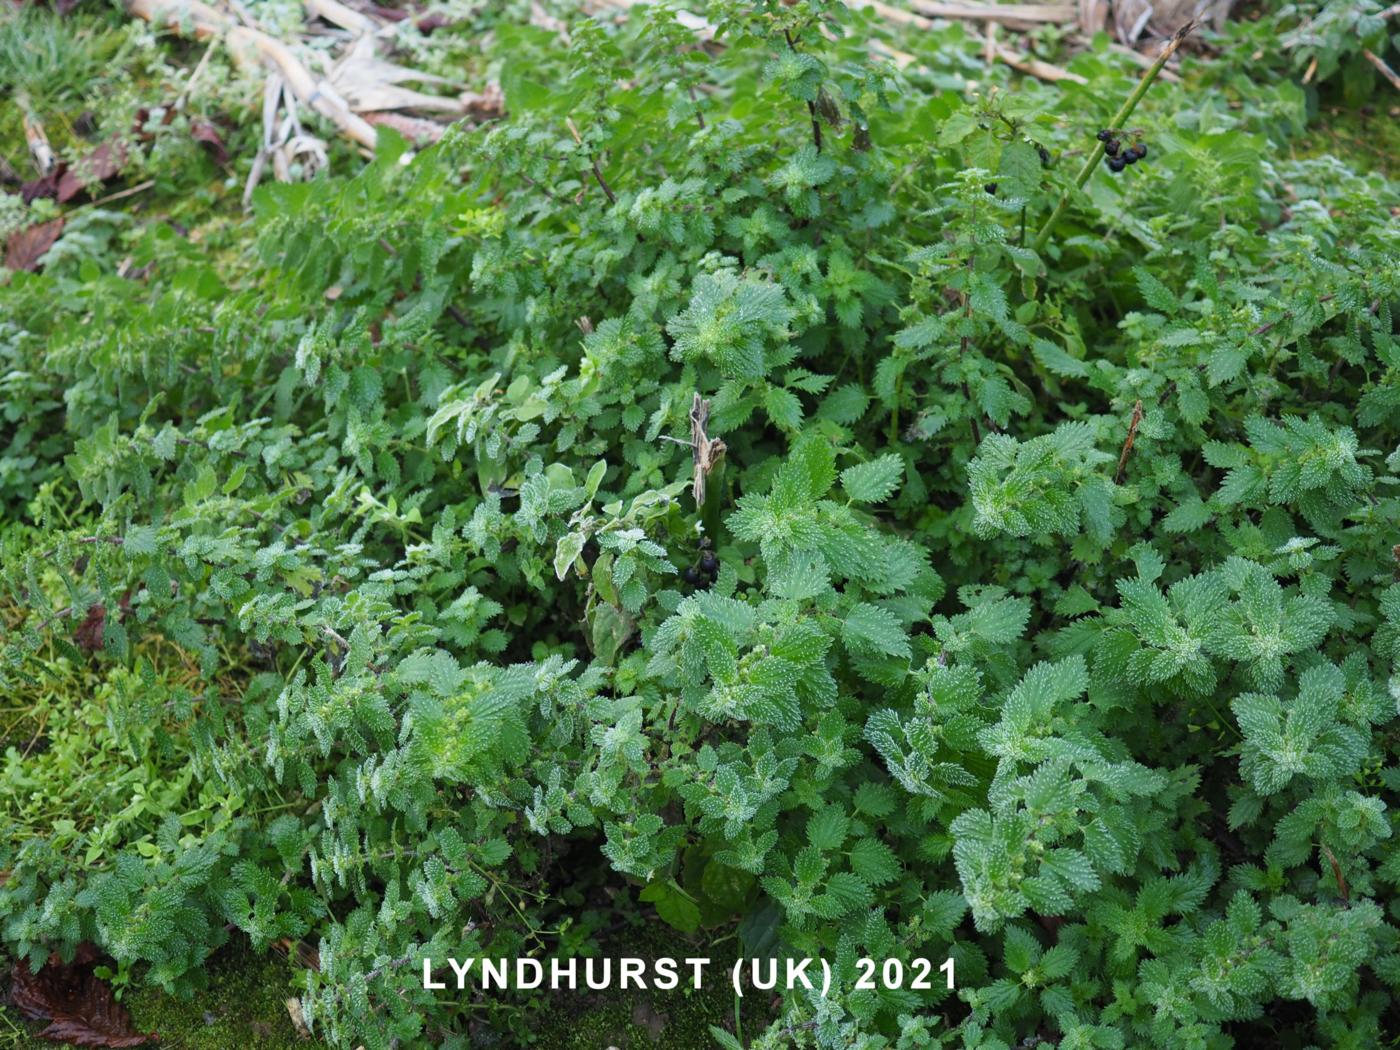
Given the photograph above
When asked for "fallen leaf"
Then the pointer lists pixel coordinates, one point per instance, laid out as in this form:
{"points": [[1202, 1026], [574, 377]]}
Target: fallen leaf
{"points": [[305, 955], [208, 136], [298, 1018], [436, 20], [98, 166], [24, 249], [88, 634], [44, 186], [78, 1005]]}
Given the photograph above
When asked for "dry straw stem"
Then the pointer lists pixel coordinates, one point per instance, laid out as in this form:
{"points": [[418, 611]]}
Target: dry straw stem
{"points": [[1120, 119], [1012, 15], [253, 46], [1381, 65], [898, 16], [1021, 63]]}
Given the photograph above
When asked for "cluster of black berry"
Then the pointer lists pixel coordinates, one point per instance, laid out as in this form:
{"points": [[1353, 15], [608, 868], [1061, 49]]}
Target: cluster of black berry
{"points": [[1118, 157], [702, 574]]}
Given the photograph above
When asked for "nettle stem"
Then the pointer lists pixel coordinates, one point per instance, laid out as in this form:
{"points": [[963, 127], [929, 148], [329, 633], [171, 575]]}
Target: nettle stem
{"points": [[1119, 119], [811, 106]]}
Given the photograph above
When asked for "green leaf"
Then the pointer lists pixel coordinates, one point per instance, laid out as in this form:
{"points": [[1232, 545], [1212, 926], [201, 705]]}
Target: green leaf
{"points": [[826, 829], [868, 627], [673, 905], [874, 862], [873, 482], [567, 551]]}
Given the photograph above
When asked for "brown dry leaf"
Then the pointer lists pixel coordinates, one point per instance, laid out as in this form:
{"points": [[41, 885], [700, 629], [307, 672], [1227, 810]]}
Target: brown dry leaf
{"points": [[88, 634], [301, 952], [24, 249], [208, 136], [436, 20], [44, 186], [78, 1005], [298, 1018], [98, 166]]}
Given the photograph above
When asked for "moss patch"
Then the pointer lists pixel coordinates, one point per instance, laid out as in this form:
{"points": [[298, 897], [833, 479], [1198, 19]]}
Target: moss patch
{"points": [[631, 1020], [1368, 139], [243, 1008]]}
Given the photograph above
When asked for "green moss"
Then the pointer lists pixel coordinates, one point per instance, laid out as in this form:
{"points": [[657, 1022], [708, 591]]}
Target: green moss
{"points": [[1369, 141], [243, 1008], [630, 1020]]}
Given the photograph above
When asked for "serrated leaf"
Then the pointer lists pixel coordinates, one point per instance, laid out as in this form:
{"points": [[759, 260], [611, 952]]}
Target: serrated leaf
{"points": [[873, 482]]}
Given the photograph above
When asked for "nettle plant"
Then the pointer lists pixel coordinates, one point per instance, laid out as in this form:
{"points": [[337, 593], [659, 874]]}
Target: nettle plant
{"points": [[1048, 616]]}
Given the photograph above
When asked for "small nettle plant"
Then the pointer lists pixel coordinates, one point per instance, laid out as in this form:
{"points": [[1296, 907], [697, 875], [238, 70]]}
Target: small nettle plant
{"points": [[746, 489]]}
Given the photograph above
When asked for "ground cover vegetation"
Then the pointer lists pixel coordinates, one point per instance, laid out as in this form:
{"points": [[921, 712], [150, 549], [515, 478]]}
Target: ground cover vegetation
{"points": [[831, 505]]}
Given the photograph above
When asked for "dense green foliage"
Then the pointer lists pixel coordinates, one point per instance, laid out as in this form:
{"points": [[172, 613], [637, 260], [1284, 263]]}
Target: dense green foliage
{"points": [[1055, 621]]}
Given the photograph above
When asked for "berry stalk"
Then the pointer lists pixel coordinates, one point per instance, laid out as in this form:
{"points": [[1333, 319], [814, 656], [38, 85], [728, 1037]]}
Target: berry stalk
{"points": [[1119, 120]]}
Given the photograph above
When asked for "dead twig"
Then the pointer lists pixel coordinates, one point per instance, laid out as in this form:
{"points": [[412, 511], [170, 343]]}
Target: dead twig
{"points": [[1011, 15], [1380, 65], [131, 191], [707, 451], [1128, 442], [36, 138], [250, 47], [1034, 67], [597, 172], [1337, 874], [1037, 68]]}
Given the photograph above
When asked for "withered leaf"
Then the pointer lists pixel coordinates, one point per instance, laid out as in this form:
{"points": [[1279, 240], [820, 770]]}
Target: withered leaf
{"points": [[208, 136], [436, 20], [78, 1005], [44, 186], [98, 166], [24, 249], [88, 634]]}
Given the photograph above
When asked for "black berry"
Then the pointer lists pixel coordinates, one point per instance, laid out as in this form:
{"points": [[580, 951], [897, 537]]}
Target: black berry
{"points": [[1141, 150], [1129, 157], [1111, 147], [1116, 163], [691, 576], [991, 187], [709, 563], [1044, 155], [1105, 135]]}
